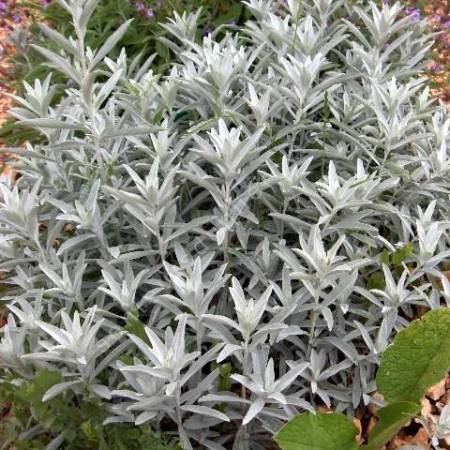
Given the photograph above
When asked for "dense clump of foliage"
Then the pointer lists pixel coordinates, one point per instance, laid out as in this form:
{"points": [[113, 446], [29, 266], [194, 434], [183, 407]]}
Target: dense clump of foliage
{"points": [[211, 250], [143, 37], [27, 423]]}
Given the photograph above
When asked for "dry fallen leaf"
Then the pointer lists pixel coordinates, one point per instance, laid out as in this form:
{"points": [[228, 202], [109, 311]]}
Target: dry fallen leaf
{"points": [[437, 391], [421, 438], [357, 423]]}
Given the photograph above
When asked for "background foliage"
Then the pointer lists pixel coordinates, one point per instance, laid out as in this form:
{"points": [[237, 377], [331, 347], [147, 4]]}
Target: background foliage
{"points": [[142, 37]]}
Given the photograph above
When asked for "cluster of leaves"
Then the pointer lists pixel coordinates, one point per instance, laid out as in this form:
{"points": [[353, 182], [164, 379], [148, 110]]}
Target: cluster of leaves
{"points": [[196, 248], [30, 424], [418, 359], [143, 37]]}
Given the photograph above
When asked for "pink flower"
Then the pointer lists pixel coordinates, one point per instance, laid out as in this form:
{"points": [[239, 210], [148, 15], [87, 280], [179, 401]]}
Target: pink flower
{"points": [[435, 67]]}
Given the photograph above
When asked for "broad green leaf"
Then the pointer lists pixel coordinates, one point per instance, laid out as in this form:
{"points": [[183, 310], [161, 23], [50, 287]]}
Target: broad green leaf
{"points": [[392, 418], [418, 359], [319, 431]]}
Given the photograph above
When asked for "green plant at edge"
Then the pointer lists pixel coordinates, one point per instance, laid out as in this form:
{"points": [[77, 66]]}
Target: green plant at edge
{"points": [[418, 359]]}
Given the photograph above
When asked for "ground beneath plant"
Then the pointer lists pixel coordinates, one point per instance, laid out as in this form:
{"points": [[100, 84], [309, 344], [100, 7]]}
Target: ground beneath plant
{"points": [[416, 435]]}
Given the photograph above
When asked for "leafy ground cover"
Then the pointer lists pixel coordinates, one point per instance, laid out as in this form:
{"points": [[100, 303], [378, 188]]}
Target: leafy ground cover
{"points": [[366, 418], [18, 29]]}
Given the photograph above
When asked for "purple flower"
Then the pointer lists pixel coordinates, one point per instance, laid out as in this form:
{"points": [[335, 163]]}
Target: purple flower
{"points": [[140, 6], [414, 13], [447, 24], [385, 2], [435, 67], [16, 18], [3, 6], [149, 12]]}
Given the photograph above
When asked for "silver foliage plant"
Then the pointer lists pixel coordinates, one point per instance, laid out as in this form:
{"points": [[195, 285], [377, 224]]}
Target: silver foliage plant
{"points": [[238, 207]]}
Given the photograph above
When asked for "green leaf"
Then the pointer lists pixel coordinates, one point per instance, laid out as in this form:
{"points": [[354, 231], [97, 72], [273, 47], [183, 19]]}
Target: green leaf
{"points": [[402, 253], [418, 359], [318, 432], [392, 418], [89, 430], [398, 256], [136, 327], [232, 14], [162, 50], [385, 257], [32, 392], [376, 281], [224, 377], [277, 157]]}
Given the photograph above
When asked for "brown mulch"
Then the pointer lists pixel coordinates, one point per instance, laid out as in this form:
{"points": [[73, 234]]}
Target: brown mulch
{"points": [[416, 432], [12, 16], [438, 13], [6, 69]]}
